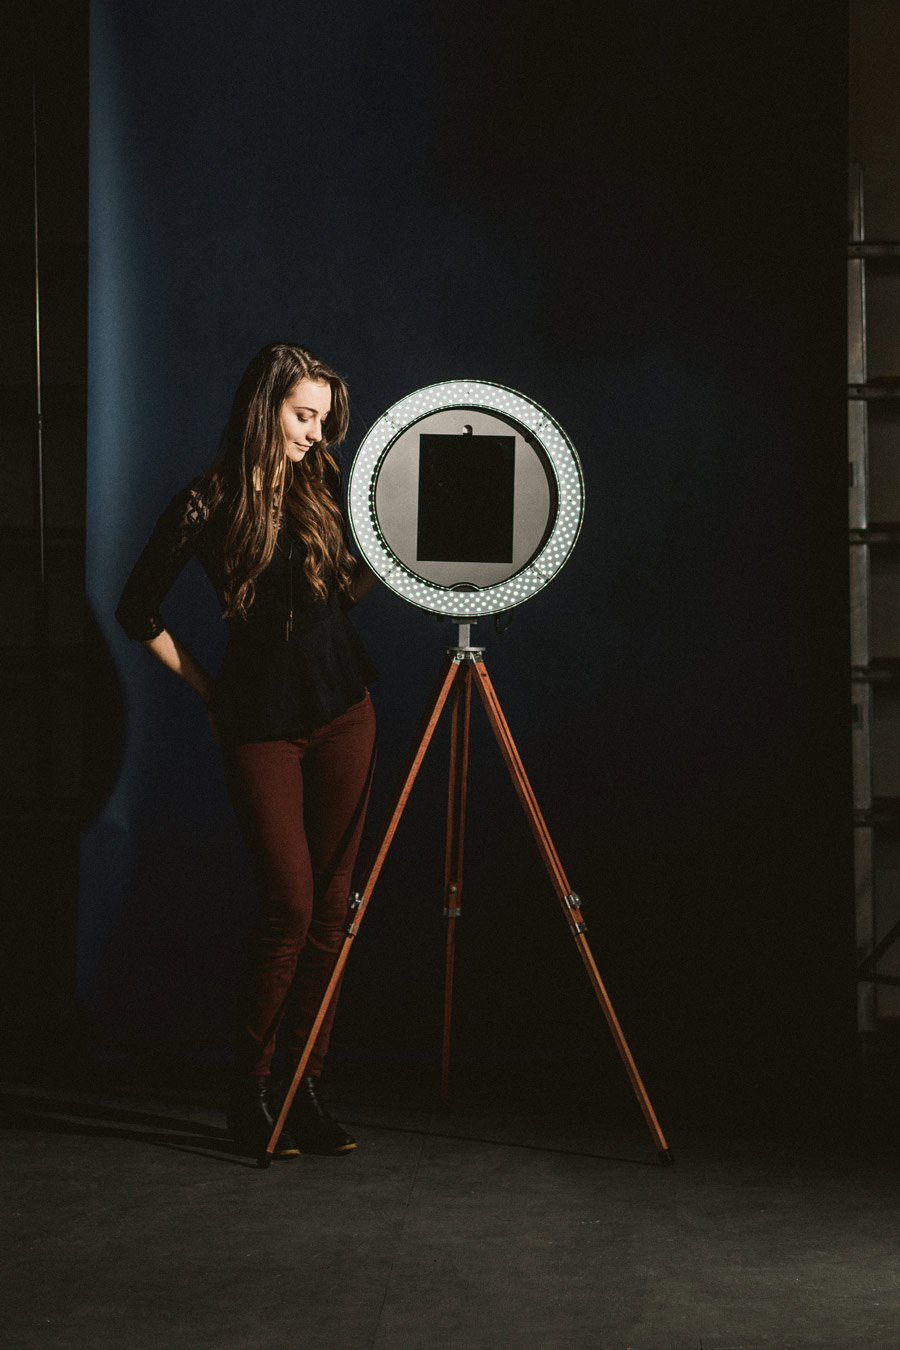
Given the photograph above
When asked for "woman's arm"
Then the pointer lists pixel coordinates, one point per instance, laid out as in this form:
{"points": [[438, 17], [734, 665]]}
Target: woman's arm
{"points": [[363, 581], [169, 652], [172, 542]]}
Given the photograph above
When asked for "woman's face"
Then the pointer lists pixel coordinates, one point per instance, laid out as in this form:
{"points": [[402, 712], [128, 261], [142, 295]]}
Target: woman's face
{"points": [[302, 414]]}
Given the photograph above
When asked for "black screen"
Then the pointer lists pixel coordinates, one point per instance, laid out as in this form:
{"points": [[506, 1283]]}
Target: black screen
{"points": [[466, 498]]}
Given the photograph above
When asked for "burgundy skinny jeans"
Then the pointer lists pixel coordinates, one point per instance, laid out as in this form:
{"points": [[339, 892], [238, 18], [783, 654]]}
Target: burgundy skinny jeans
{"points": [[300, 805]]}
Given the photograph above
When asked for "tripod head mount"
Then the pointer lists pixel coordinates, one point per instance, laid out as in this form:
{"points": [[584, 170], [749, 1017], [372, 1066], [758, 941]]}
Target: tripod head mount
{"points": [[464, 651]]}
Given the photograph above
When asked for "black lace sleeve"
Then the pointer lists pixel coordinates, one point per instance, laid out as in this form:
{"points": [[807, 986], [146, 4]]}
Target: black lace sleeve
{"points": [[174, 540]]}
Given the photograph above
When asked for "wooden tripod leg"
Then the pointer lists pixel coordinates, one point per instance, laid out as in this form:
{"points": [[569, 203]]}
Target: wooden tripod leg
{"points": [[453, 853], [569, 901], [360, 899]]}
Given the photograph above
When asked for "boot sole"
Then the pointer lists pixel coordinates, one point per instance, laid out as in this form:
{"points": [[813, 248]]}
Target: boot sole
{"points": [[327, 1152], [248, 1148]]}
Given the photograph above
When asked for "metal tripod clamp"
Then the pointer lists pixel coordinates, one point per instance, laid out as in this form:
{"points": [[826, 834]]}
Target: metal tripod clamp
{"points": [[572, 902], [354, 900], [452, 911], [460, 654]]}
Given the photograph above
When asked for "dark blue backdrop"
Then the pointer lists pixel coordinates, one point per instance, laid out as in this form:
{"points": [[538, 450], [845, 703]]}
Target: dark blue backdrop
{"points": [[634, 215]]}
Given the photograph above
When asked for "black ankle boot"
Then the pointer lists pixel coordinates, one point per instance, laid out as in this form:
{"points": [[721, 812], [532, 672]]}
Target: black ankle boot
{"points": [[310, 1124], [249, 1119]]}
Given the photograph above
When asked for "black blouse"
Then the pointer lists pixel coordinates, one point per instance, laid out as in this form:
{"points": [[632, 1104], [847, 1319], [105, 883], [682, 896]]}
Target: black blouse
{"points": [[275, 682]]}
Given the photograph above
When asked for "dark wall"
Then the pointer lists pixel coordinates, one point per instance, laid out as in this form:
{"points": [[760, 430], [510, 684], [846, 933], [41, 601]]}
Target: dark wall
{"points": [[635, 215], [44, 119]]}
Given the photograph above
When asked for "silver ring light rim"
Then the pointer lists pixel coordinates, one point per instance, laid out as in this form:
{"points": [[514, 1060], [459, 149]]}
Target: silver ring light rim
{"points": [[538, 571]]}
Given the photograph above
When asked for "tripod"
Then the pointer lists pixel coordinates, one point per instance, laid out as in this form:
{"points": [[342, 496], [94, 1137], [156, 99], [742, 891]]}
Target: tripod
{"points": [[464, 666]]}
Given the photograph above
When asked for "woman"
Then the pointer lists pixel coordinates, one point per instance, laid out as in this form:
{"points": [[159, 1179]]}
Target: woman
{"points": [[289, 705]]}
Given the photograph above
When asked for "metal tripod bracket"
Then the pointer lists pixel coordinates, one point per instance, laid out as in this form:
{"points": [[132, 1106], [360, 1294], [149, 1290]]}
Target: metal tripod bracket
{"points": [[464, 651], [354, 901], [572, 902]]}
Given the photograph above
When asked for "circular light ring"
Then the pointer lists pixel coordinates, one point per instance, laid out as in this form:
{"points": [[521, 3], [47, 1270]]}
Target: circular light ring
{"points": [[540, 569]]}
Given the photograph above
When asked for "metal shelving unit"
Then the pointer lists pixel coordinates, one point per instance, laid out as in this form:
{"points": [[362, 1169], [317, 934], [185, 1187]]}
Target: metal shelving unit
{"points": [[876, 818]]}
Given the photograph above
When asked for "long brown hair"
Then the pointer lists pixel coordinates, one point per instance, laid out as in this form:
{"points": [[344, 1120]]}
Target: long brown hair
{"points": [[255, 484]]}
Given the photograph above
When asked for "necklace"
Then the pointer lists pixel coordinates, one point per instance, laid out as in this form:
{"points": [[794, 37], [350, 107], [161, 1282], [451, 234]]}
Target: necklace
{"points": [[289, 622]]}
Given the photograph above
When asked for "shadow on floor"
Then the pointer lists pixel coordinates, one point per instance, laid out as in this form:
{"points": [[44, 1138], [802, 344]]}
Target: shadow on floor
{"points": [[43, 1115], [22, 1110]]}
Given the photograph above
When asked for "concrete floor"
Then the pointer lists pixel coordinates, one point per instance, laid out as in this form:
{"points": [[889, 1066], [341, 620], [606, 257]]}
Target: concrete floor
{"points": [[129, 1223]]}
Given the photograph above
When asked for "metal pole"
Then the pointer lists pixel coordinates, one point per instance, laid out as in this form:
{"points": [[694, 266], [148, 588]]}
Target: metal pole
{"points": [[41, 615]]}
